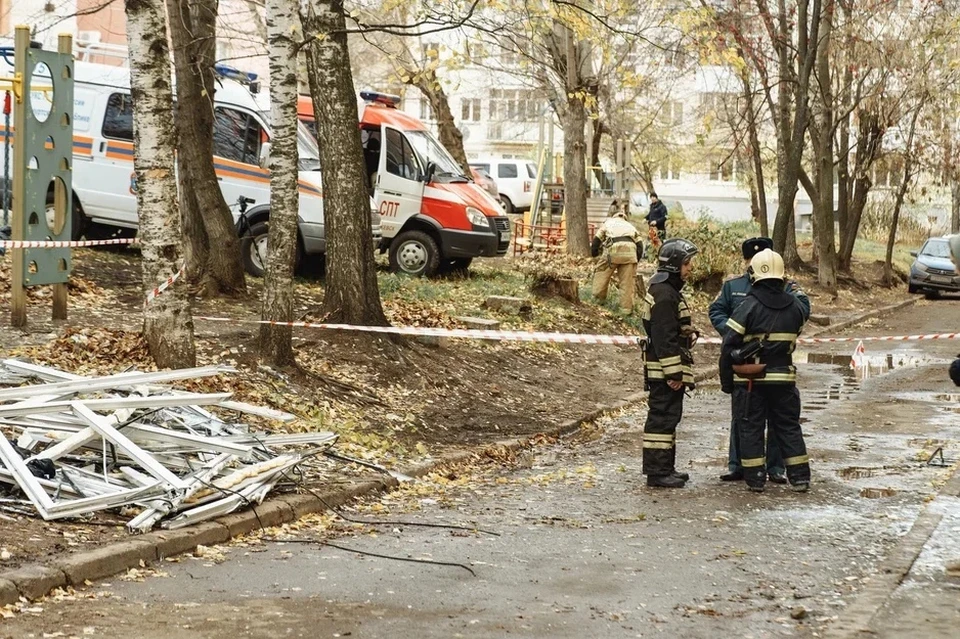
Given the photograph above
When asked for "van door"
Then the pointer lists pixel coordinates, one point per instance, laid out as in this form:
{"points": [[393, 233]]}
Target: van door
{"points": [[112, 193], [399, 182]]}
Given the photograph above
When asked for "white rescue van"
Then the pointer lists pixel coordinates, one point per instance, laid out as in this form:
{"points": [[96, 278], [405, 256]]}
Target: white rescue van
{"points": [[104, 182]]}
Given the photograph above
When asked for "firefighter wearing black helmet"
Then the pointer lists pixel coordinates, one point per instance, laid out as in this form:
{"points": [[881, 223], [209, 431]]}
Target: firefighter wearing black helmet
{"points": [[669, 366]]}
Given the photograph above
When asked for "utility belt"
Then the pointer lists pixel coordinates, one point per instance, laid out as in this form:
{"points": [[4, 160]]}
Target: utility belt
{"points": [[621, 250]]}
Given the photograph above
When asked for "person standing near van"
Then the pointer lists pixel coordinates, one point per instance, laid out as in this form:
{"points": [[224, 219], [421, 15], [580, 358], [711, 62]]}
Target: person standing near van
{"points": [[622, 247], [657, 216]]}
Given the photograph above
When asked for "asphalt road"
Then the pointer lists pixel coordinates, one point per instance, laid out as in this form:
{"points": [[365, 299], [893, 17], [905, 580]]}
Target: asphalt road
{"points": [[584, 549]]}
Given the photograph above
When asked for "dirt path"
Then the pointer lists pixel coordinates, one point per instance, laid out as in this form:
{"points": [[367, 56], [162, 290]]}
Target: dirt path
{"points": [[584, 548]]}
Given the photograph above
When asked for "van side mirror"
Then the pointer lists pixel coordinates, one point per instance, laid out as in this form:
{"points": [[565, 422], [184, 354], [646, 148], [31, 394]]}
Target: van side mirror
{"points": [[431, 170], [264, 155], [913, 253]]}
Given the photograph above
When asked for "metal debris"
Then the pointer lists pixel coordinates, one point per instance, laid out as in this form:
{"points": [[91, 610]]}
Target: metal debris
{"points": [[78, 445]]}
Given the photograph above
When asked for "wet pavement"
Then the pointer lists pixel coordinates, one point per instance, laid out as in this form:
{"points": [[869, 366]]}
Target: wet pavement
{"points": [[584, 549]]}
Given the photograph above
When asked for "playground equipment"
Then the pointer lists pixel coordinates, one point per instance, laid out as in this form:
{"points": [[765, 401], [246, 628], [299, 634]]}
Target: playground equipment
{"points": [[42, 140]]}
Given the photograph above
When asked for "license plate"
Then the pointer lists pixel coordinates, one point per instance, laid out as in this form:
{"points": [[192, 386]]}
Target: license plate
{"points": [[941, 279]]}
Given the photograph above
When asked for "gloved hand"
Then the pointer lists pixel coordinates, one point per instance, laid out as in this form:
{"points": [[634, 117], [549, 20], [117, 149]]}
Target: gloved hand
{"points": [[691, 334]]}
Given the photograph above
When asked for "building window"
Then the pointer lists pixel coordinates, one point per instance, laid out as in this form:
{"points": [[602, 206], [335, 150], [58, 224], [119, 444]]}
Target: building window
{"points": [[711, 101], [672, 113], [669, 169], [426, 110], [470, 109], [515, 105], [723, 168], [430, 50]]}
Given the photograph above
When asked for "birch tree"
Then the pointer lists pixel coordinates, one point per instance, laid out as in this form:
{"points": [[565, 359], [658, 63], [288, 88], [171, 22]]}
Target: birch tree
{"points": [[167, 321], [284, 36], [351, 294]]}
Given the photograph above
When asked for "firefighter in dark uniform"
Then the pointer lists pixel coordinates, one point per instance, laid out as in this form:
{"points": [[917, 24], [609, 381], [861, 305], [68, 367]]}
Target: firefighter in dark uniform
{"points": [[668, 367], [756, 365], [734, 291]]}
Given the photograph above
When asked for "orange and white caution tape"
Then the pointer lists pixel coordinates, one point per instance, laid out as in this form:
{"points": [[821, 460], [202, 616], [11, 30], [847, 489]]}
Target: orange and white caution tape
{"points": [[152, 295], [840, 340], [466, 333], [22, 244], [554, 338]]}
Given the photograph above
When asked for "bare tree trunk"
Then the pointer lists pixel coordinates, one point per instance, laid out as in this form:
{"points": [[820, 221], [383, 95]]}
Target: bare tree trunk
{"points": [[283, 33], [824, 239], [575, 177], [954, 204], [759, 192], [450, 136], [599, 128], [351, 294], [869, 137], [908, 162], [193, 26], [167, 322], [792, 130]]}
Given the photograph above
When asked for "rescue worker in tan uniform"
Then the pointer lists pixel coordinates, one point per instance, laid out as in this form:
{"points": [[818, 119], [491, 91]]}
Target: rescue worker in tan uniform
{"points": [[622, 247]]}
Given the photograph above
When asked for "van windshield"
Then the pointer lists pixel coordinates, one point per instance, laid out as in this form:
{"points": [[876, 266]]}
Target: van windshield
{"points": [[430, 150], [307, 148]]}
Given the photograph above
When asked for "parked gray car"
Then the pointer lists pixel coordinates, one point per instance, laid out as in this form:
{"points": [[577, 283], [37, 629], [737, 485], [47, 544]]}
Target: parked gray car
{"points": [[933, 272]]}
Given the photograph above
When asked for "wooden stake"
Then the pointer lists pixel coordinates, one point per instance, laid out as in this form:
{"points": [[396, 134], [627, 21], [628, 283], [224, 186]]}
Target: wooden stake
{"points": [[18, 295]]}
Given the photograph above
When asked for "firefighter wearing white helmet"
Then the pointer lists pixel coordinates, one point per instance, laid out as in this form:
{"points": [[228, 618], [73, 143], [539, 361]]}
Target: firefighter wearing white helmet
{"points": [[756, 365]]}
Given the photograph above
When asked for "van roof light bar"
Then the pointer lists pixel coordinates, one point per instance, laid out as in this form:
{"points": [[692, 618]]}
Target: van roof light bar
{"points": [[243, 77], [380, 98]]}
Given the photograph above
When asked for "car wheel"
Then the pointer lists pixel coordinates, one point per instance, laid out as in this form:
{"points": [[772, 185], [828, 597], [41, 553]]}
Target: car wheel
{"points": [[76, 218], [414, 253], [253, 250], [932, 295], [507, 205]]}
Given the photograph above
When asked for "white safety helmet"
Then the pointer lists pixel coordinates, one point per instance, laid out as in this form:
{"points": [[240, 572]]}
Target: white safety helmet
{"points": [[766, 265]]}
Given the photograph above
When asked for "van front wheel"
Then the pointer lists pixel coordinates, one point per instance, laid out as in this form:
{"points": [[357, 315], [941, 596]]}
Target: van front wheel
{"points": [[414, 253], [253, 250]]}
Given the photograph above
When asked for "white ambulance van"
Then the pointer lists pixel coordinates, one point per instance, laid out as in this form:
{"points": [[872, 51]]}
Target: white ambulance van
{"points": [[104, 183]]}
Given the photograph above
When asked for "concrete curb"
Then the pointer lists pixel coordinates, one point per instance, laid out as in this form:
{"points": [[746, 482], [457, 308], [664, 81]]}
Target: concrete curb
{"points": [[36, 580], [857, 618]]}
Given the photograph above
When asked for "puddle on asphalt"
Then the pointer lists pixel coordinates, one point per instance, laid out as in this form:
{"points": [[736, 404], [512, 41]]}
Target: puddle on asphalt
{"points": [[867, 366]]}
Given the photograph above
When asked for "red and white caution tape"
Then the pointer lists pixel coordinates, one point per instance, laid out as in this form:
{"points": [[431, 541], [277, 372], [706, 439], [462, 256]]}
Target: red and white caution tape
{"points": [[553, 338], [22, 244], [467, 333], [152, 295], [839, 340], [887, 338]]}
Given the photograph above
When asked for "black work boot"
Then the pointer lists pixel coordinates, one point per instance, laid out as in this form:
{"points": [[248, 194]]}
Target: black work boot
{"points": [[735, 475], [683, 476], [665, 481]]}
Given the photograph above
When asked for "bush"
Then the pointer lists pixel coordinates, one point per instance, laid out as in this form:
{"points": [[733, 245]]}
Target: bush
{"points": [[719, 246]]}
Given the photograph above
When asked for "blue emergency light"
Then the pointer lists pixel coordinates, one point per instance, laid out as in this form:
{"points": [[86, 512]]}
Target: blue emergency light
{"points": [[381, 98], [243, 77]]}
